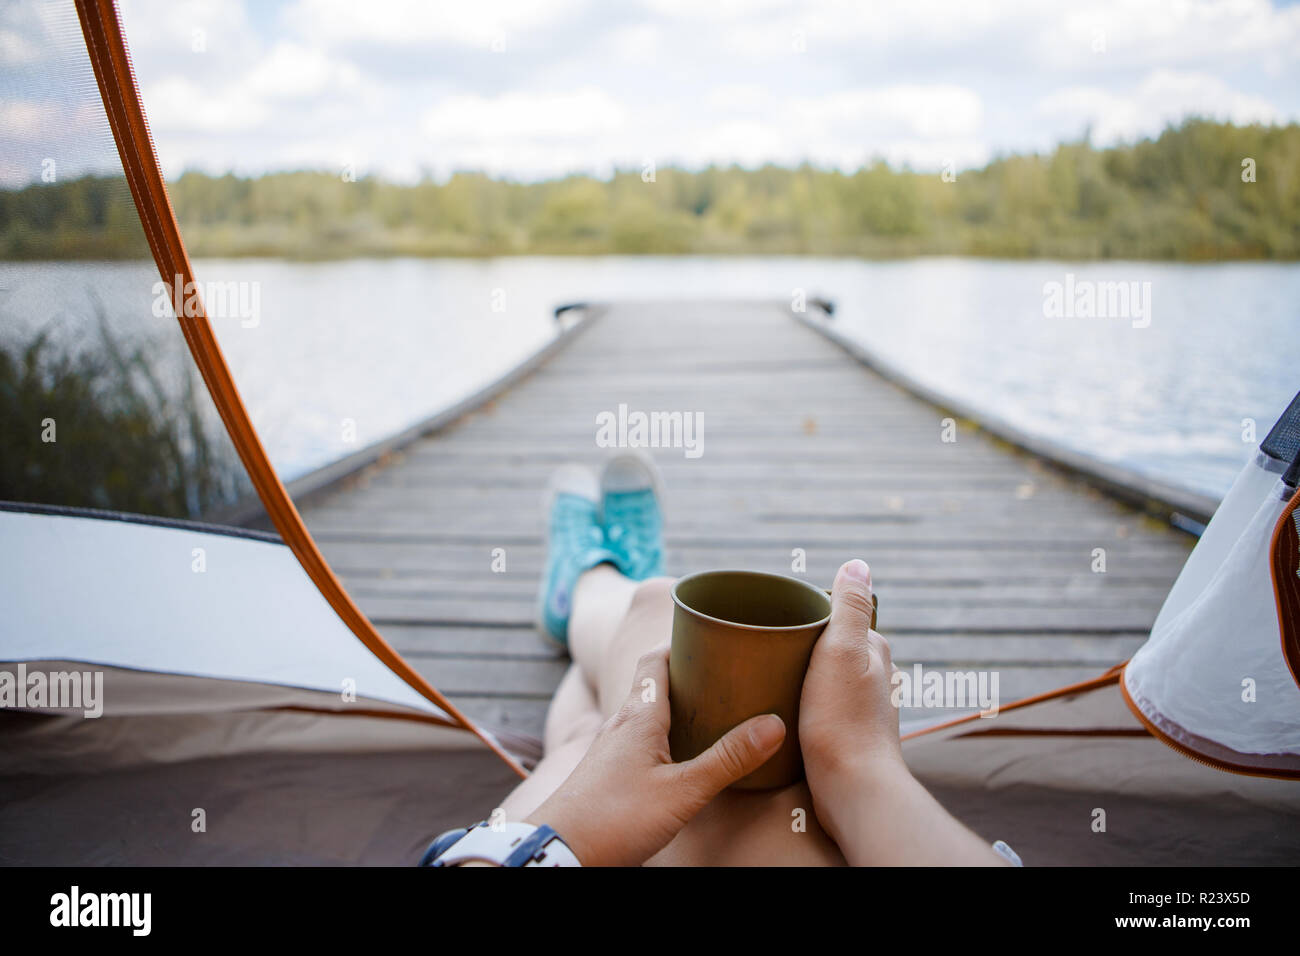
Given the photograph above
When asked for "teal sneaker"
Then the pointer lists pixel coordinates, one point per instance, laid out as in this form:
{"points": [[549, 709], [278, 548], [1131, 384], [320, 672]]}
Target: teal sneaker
{"points": [[631, 491], [575, 544]]}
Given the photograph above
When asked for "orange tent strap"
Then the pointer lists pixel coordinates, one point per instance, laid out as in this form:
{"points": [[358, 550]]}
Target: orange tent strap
{"points": [[117, 87], [1109, 677], [1284, 555]]}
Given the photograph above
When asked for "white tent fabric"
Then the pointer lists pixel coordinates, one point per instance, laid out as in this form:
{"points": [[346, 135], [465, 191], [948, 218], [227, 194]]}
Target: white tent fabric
{"points": [[127, 595], [1049, 770], [1253, 484], [1213, 667]]}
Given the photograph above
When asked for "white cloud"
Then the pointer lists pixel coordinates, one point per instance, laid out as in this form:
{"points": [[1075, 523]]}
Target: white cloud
{"points": [[1154, 33], [523, 115], [744, 124], [640, 44], [164, 32], [395, 85], [1052, 36], [180, 105], [293, 71], [15, 49], [28, 122], [1163, 97], [924, 126], [405, 23], [939, 110], [547, 134], [766, 28]]}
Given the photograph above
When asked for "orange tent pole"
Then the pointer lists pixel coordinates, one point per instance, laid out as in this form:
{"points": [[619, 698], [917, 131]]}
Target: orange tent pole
{"points": [[102, 29]]}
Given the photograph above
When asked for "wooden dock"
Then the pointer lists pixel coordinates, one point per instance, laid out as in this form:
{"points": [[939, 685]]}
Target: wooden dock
{"points": [[983, 556]]}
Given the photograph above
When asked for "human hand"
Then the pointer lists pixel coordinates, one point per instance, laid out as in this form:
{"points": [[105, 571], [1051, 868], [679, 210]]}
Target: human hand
{"points": [[626, 799], [848, 726], [864, 796]]}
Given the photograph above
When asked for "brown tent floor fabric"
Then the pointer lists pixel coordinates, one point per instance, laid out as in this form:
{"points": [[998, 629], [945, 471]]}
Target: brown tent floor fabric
{"points": [[40, 744], [263, 809], [214, 717], [276, 786], [1049, 827], [280, 777], [1086, 738], [333, 789], [352, 806], [1037, 775]]}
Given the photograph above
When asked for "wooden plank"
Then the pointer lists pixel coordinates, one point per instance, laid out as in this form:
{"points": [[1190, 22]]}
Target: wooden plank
{"points": [[369, 558], [763, 528], [950, 648], [531, 677], [525, 715], [954, 616], [979, 650], [484, 642], [897, 492], [1082, 592]]}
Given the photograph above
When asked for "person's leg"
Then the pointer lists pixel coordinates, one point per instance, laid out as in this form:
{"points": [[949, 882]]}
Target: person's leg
{"points": [[573, 714], [601, 599], [600, 602], [603, 533], [572, 722], [608, 620], [613, 622], [609, 658]]}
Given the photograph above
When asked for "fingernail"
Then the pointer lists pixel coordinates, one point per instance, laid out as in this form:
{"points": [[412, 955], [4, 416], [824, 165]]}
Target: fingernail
{"points": [[767, 732], [857, 570]]}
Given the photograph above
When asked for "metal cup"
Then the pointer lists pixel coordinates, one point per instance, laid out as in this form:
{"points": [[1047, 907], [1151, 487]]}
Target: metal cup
{"points": [[741, 645]]}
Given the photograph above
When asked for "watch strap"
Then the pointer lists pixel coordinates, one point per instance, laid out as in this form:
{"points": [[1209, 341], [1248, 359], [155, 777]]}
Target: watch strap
{"points": [[505, 844]]}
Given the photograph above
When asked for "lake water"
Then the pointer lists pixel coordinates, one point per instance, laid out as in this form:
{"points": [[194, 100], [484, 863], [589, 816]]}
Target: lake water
{"points": [[345, 353]]}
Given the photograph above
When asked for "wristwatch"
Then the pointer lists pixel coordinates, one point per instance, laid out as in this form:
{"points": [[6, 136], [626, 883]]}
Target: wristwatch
{"points": [[502, 844]]}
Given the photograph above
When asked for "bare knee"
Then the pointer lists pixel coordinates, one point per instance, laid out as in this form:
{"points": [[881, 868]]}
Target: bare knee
{"points": [[647, 624], [652, 594]]}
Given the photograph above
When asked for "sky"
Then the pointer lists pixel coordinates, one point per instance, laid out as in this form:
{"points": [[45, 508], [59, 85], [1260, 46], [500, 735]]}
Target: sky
{"points": [[532, 89]]}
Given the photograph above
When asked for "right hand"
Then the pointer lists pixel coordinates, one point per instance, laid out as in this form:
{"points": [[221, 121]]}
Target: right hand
{"points": [[864, 796], [626, 799], [848, 726]]}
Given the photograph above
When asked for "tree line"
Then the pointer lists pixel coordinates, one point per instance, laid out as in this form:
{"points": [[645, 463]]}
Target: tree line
{"points": [[1201, 190]]}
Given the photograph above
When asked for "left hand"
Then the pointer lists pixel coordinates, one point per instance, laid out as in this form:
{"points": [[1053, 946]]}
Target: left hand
{"points": [[626, 799]]}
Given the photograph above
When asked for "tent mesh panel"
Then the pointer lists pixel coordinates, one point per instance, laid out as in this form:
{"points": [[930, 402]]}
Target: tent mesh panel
{"points": [[101, 406], [1283, 441]]}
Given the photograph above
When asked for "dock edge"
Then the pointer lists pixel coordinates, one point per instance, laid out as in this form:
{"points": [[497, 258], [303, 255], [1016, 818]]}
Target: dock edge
{"points": [[1185, 510]]}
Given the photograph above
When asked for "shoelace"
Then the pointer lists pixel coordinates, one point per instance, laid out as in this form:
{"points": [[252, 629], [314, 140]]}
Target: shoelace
{"points": [[631, 527], [572, 523]]}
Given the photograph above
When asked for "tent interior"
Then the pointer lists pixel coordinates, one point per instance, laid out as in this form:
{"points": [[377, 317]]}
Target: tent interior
{"points": [[251, 715]]}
